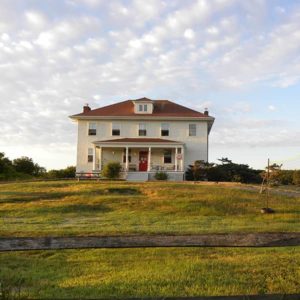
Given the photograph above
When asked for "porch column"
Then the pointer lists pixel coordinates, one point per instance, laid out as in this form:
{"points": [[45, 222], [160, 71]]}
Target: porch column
{"points": [[126, 159], [182, 159], [149, 160], [94, 158], [100, 158], [176, 153]]}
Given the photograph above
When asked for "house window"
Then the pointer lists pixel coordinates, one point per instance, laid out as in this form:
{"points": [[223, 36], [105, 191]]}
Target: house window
{"points": [[143, 107], [167, 156], [115, 129], [92, 129], [192, 130], [124, 156], [142, 129], [90, 155], [164, 129]]}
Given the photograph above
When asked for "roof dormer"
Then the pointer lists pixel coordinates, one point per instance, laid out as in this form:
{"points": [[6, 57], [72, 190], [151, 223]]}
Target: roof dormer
{"points": [[143, 106]]}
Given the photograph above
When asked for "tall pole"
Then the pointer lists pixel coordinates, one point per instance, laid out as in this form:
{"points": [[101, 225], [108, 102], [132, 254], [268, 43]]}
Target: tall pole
{"points": [[268, 182]]}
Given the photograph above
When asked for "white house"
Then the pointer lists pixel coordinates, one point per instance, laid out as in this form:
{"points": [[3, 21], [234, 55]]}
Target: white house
{"points": [[144, 135]]}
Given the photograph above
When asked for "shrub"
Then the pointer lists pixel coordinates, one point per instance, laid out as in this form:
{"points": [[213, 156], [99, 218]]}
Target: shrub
{"points": [[112, 170], [296, 177], [68, 172], [227, 171], [198, 171], [285, 177], [161, 175]]}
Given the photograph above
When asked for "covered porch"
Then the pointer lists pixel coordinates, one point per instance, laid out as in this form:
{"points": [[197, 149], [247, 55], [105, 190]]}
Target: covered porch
{"points": [[140, 155]]}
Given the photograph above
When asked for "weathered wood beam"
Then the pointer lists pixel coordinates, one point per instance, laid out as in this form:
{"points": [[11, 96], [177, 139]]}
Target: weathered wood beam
{"points": [[140, 241]]}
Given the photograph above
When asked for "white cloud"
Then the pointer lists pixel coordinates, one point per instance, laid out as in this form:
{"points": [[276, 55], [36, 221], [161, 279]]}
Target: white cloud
{"points": [[189, 34], [271, 107], [101, 52], [5, 37], [36, 19], [91, 3], [213, 30]]}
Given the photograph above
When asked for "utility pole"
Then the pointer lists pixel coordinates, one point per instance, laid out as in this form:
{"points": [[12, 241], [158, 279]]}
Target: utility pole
{"points": [[268, 182]]}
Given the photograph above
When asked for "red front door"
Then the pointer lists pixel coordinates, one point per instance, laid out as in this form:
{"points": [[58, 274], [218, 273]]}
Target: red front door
{"points": [[143, 161]]}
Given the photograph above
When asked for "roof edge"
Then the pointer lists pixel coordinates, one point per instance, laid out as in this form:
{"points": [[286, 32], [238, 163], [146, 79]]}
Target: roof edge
{"points": [[140, 116]]}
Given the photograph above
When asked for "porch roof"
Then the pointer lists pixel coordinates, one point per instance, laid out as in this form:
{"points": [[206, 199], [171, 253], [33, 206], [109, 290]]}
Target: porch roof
{"points": [[139, 141]]}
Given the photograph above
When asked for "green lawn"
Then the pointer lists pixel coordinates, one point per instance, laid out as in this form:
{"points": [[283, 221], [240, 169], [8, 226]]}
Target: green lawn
{"points": [[110, 208], [152, 272]]}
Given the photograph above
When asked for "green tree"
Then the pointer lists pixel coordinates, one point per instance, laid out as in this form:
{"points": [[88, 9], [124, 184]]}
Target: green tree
{"points": [[5, 163], [7, 170], [24, 165], [226, 171]]}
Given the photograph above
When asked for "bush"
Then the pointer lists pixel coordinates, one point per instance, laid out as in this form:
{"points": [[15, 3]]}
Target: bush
{"points": [[285, 177], [68, 172], [112, 170], [161, 176], [296, 177], [227, 171]]}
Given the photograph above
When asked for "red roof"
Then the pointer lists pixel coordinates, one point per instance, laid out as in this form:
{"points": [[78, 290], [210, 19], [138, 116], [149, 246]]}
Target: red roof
{"points": [[161, 108], [138, 140]]}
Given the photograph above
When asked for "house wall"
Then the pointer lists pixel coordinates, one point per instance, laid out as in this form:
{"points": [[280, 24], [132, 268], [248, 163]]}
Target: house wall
{"points": [[116, 155], [195, 146]]}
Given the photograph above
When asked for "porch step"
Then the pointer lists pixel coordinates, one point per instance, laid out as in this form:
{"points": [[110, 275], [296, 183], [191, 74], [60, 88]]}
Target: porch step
{"points": [[137, 176]]}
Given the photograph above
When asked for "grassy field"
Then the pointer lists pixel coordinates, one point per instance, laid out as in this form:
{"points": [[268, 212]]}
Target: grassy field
{"points": [[152, 272], [111, 208]]}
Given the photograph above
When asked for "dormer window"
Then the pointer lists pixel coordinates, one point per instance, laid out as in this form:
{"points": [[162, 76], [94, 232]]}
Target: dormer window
{"points": [[143, 106]]}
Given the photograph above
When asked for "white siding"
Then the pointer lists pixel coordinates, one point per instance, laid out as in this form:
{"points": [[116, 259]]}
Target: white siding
{"points": [[195, 146]]}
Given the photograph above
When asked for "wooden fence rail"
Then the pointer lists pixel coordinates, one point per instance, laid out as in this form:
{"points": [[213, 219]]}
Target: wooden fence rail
{"points": [[141, 241]]}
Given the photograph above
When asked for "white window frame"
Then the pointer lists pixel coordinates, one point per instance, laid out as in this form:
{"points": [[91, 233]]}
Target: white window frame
{"points": [[164, 126], [115, 126], [192, 131], [142, 107], [90, 154], [92, 126], [171, 156], [142, 126]]}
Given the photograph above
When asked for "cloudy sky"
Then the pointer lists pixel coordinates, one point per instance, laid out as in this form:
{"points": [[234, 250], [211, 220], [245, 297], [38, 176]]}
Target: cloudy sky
{"points": [[241, 59]]}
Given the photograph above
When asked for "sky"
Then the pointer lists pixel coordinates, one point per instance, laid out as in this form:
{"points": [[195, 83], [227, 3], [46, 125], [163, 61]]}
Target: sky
{"points": [[240, 59]]}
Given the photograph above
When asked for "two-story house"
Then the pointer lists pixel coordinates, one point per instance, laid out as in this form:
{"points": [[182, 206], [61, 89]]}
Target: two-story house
{"points": [[144, 135]]}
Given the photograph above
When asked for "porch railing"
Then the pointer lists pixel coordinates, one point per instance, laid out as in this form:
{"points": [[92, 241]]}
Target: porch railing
{"points": [[153, 168]]}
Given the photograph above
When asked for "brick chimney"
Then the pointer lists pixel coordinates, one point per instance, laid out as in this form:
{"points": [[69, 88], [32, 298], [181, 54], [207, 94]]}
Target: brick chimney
{"points": [[86, 108], [206, 111]]}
